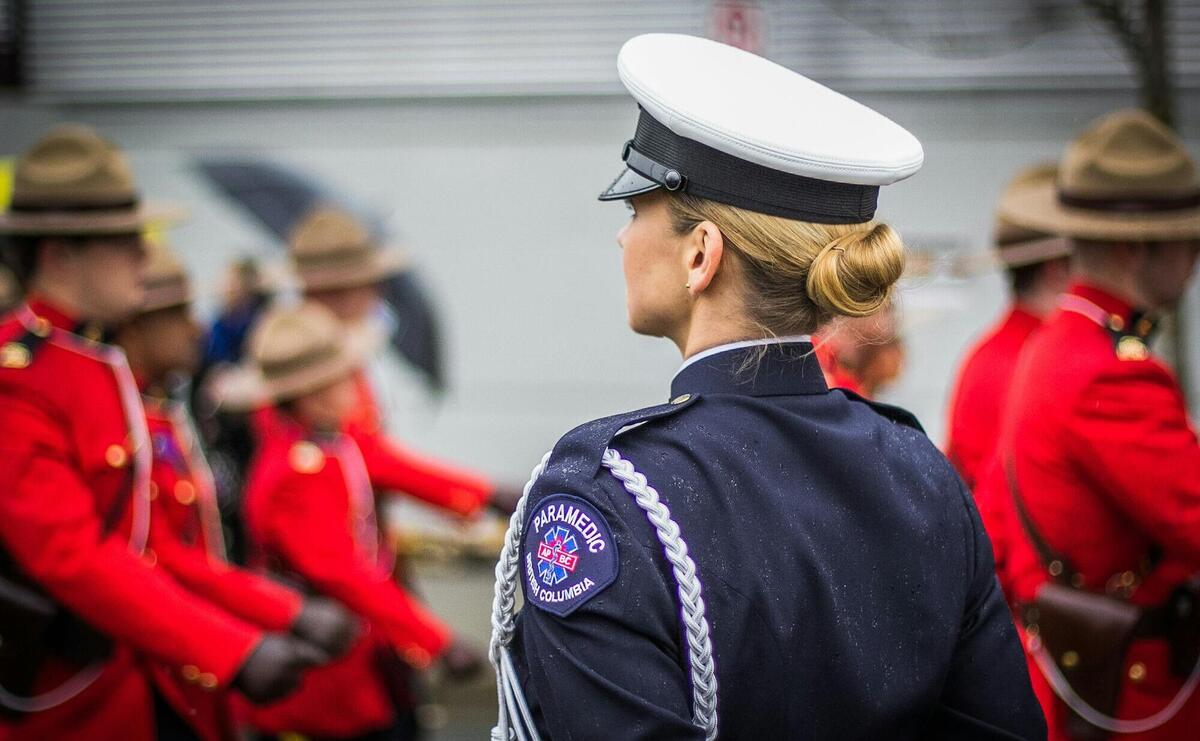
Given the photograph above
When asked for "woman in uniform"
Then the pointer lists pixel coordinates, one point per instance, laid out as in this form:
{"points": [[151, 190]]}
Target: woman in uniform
{"points": [[761, 557]]}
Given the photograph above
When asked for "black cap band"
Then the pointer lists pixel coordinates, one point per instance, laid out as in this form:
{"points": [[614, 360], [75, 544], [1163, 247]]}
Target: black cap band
{"points": [[680, 164]]}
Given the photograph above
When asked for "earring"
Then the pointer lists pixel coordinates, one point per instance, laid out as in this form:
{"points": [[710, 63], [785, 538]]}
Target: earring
{"points": [[687, 286]]}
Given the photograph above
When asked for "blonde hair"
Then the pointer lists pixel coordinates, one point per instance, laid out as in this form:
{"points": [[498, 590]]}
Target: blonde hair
{"points": [[798, 275]]}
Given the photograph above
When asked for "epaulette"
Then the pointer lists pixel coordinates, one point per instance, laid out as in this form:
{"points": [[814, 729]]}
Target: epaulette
{"points": [[899, 415], [1131, 341], [18, 353], [585, 444]]}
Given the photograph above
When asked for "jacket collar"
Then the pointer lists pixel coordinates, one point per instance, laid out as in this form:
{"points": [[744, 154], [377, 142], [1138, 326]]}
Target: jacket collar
{"points": [[759, 369], [1110, 303], [59, 318]]}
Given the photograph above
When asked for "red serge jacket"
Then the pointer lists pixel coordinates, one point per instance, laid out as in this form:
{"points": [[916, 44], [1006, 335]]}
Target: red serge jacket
{"points": [[186, 540], [980, 393], [1108, 466], [75, 431], [310, 511], [393, 467]]}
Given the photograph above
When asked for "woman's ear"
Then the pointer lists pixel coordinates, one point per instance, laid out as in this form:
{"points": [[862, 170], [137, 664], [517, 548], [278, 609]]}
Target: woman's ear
{"points": [[705, 250]]}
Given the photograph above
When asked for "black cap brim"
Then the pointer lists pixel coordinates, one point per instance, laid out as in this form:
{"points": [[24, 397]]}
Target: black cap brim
{"points": [[627, 185]]}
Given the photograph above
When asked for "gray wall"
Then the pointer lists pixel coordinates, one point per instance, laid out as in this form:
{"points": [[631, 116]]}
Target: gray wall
{"points": [[494, 199]]}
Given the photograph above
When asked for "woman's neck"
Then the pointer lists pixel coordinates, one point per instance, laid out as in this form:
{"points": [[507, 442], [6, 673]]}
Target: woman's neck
{"points": [[713, 324]]}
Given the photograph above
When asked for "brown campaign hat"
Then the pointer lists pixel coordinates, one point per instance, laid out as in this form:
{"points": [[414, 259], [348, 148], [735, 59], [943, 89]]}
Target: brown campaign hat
{"points": [[164, 279], [1126, 178], [1016, 245], [293, 351], [331, 249], [75, 183]]}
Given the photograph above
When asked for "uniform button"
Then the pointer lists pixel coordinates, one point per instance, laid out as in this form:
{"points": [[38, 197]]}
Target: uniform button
{"points": [[185, 493], [418, 657], [41, 327], [116, 456], [15, 355], [1116, 323], [682, 398], [1137, 671], [208, 681], [1070, 659], [1056, 568], [150, 558], [191, 672]]}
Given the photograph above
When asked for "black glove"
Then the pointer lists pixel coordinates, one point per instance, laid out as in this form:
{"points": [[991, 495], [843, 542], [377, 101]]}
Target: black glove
{"points": [[274, 668], [504, 500], [326, 625], [461, 660]]}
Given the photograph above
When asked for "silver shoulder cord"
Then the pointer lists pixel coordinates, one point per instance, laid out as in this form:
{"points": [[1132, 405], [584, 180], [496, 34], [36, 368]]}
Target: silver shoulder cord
{"points": [[515, 722]]}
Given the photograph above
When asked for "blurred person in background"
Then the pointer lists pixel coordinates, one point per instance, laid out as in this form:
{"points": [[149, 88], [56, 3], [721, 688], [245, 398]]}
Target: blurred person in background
{"points": [[228, 435], [84, 610], [1093, 496], [161, 342], [863, 355], [340, 267], [244, 297], [1038, 268], [310, 516]]}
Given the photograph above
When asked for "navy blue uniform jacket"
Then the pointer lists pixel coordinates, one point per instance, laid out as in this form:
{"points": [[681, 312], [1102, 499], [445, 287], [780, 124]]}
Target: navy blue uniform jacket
{"points": [[849, 583]]}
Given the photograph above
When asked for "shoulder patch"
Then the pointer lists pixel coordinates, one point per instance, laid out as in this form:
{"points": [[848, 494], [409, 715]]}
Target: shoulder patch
{"points": [[570, 554], [306, 457]]}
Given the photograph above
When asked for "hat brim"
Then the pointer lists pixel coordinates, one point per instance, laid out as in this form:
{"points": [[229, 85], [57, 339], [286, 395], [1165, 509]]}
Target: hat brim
{"points": [[628, 184], [1033, 252], [244, 388], [385, 263], [166, 298], [88, 223], [1037, 207]]}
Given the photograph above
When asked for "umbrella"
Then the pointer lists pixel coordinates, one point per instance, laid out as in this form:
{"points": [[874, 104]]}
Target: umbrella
{"points": [[278, 197]]}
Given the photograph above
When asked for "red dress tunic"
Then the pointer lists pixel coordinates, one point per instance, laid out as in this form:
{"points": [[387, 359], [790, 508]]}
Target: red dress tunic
{"points": [[1108, 465], [981, 391], [74, 431]]}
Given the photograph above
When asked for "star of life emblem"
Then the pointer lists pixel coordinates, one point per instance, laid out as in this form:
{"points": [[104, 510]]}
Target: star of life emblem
{"points": [[556, 555]]}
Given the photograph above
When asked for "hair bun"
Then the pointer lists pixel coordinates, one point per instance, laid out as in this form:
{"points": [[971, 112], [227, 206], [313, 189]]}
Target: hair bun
{"points": [[854, 274]]}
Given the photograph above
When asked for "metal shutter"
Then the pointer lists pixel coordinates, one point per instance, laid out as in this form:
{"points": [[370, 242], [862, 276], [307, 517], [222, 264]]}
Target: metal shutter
{"points": [[123, 50]]}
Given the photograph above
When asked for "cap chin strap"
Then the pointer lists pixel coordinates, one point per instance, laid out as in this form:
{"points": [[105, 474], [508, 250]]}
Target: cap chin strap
{"points": [[515, 720]]}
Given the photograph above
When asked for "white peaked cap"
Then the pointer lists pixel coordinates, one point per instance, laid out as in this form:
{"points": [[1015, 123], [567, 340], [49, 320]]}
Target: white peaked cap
{"points": [[731, 126]]}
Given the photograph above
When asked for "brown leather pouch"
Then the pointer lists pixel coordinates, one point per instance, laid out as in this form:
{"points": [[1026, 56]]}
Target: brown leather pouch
{"points": [[1088, 635]]}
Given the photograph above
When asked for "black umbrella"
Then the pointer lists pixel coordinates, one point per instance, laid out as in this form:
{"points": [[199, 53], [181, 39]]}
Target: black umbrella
{"points": [[279, 197]]}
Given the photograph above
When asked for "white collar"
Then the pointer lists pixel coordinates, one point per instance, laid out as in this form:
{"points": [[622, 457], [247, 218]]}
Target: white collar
{"points": [[742, 344]]}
